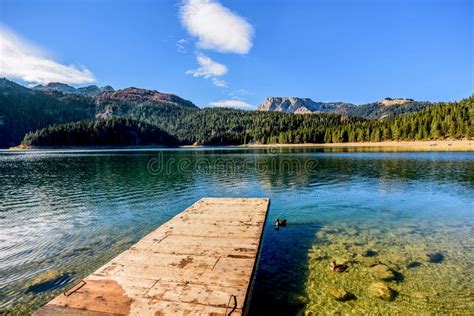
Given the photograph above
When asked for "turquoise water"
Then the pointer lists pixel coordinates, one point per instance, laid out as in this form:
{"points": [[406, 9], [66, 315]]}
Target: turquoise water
{"points": [[68, 212]]}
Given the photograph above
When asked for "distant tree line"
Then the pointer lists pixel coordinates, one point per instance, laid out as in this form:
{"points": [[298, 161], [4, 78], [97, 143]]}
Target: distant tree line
{"points": [[226, 126], [376, 111], [234, 127], [435, 122], [115, 131]]}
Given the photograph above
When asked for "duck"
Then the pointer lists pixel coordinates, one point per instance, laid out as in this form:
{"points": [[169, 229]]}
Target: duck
{"points": [[280, 222], [338, 267]]}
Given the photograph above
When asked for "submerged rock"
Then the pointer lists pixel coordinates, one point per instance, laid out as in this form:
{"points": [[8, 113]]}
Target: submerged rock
{"points": [[414, 264], [381, 291], [47, 276], [382, 272], [400, 260], [48, 281], [340, 294], [434, 257], [340, 260]]}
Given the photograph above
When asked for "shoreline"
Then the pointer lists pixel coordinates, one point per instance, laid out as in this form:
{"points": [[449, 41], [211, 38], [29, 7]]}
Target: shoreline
{"points": [[435, 145]]}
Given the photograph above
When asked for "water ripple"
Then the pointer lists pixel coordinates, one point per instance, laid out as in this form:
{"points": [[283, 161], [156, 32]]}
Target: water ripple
{"points": [[67, 213]]}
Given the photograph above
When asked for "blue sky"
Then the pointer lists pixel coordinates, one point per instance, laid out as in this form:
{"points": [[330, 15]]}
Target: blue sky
{"points": [[239, 52]]}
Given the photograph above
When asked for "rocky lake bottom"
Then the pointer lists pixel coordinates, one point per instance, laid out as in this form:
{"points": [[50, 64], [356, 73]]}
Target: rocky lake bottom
{"points": [[391, 269]]}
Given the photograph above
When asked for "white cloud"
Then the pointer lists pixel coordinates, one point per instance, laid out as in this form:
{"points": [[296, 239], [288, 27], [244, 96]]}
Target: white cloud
{"points": [[239, 94], [209, 69], [233, 104], [21, 60], [216, 27], [219, 83], [181, 46]]}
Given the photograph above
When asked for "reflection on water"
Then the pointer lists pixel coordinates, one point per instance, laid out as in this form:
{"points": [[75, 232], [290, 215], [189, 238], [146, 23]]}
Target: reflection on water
{"points": [[63, 214]]}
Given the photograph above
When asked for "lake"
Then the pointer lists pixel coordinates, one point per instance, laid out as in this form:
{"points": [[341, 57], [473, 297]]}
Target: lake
{"points": [[65, 213]]}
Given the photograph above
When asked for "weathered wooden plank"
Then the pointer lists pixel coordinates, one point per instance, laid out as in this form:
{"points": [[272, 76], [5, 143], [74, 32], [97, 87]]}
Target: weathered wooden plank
{"points": [[194, 264], [195, 293]]}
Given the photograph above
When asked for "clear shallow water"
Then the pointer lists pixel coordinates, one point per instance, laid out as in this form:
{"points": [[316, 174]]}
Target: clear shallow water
{"points": [[70, 212]]}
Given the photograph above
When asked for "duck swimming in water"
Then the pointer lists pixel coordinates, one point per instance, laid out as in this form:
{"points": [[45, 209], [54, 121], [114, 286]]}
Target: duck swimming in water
{"points": [[337, 267], [280, 222]]}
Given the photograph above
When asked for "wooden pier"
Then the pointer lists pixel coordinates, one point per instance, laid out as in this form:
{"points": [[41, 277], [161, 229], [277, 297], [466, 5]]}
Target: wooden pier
{"points": [[201, 262]]}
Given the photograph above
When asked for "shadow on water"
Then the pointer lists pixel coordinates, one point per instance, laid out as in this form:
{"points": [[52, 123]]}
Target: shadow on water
{"points": [[282, 268]]}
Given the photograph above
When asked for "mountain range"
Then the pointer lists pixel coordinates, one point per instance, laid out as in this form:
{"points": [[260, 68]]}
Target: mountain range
{"points": [[302, 105], [67, 89], [381, 109], [24, 110]]}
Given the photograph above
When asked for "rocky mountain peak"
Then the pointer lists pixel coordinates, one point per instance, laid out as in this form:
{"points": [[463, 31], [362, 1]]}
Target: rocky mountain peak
{"points": [[55, 86], [67, 89], [394, 101], [301, 105], [107, 88], [139, 95]]}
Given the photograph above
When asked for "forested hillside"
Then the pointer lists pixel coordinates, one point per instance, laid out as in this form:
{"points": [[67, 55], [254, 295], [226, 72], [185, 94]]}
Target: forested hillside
{"points": [[23, 110], [377, 110], [228, 126], [233, 127], [149, 112], [116, 131], [441, 121]]}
